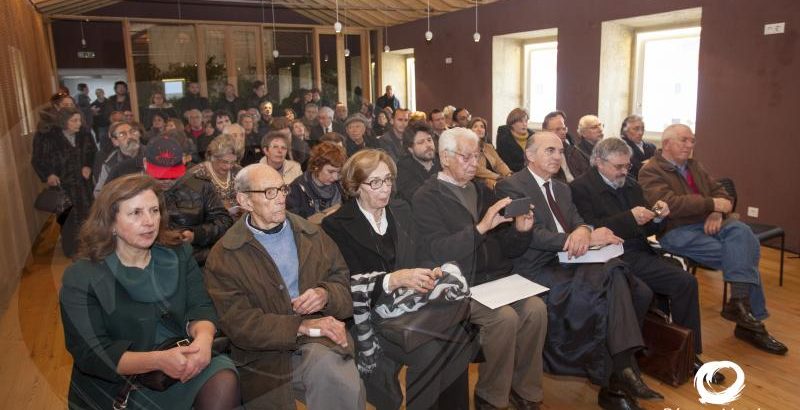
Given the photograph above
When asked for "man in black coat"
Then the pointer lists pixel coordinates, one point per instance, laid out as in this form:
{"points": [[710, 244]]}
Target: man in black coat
{"points": [[574, 163], [325, 125], [632, 132], [392, 140], [193, 100], [421, 163], [607, 197], [459, 220]]}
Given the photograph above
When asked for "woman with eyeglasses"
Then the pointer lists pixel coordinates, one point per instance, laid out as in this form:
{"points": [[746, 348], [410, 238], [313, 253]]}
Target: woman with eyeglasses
{"points": [[376, 238], [220, 167], [491, 167], [275, 146], [317, 193]]}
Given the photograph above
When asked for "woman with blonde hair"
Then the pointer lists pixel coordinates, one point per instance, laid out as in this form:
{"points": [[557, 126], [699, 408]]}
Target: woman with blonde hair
{"points": [[491, 167]]}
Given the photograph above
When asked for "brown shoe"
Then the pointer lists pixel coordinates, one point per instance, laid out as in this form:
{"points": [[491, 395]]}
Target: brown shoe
{"points": [[520, 403], [481, 404]]}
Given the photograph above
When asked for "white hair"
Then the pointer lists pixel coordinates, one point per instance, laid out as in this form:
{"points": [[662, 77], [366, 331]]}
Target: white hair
{"points": [[448, 141], [231, 127], [327, 110]]}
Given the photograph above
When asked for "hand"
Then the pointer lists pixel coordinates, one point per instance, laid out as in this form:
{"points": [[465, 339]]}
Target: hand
{"points": [[196, 362], [713, 223], [53, 180], [173, 361], [187, 236], [577, 242], [332, 209], [642, 215], [419, 280], [722, 205], [492, 218], [86, 172], [604, 236], [664, 208], [328, 326], [524, 223], [312, 300]]}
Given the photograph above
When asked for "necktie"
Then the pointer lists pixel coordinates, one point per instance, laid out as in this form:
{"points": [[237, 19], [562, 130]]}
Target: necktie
{"points": [[690, 181], [554, 207]]}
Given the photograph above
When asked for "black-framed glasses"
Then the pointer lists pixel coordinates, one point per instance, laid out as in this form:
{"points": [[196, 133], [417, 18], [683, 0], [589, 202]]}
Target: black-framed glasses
{"points": [[377, 183], [272, 192]]}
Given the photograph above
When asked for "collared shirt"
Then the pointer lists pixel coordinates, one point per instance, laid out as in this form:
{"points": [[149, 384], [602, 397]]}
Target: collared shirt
{"points": [[683, 169], [380, 226], [540, 181], [640, 145], [609, 182], [441, 176]]}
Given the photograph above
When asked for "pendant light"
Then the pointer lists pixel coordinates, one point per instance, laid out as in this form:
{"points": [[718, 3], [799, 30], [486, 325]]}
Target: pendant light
{"points": [[386, 48], [477, 35], [346, 48], [275, 52], [337, 27], [429, 33]]}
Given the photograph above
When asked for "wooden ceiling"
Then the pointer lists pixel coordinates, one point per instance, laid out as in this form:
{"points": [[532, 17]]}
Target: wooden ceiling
{"points": [[361, 13]]}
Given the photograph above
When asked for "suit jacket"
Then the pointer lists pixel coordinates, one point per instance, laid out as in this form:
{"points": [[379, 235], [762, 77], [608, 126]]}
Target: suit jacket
{"points": [[577, 162], [546, 240], [586, 147], [317, 132], [600, 205], [638, 156], [411, 175]]}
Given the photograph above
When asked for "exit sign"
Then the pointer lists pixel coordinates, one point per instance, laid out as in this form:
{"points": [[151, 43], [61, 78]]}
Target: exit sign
{"points": [[85, 54]]}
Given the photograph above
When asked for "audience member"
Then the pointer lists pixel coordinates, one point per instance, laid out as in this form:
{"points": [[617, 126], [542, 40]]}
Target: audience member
{"points": [[420, 164], [357, 137], [461, 118], [632, 132], [193, 100], [317, 193], [574, 162], [120, 101], [275, 146], [388, 99], [265, 111], [325, 125], [591, 131], [127, 144], [438, 123], [220, 167], [491, 167], [392, 140], [379, 125], [300, 148], [257, 96], [229, 101], [512, 137]]}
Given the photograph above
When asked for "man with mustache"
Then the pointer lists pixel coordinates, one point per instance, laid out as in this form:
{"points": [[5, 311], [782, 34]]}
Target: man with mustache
{"points": [[420, 164], [126, 140]]}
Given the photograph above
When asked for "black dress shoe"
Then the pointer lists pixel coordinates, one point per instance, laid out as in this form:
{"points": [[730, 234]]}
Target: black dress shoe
{"points": [[738, 310], [717, 378], [631, 383], [761, 340], [616, 400], [520, 403], [481, 404]]}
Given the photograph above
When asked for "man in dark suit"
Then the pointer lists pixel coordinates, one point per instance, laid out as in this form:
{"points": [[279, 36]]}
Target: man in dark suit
{"points": [[632, 132], [325, 125], [595, 310], [459, 220], [574, 162], [421, 163], [606, 196], [591, 131]]}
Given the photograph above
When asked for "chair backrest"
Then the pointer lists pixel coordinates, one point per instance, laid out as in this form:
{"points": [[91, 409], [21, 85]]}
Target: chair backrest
{"points": [[729, 186]]}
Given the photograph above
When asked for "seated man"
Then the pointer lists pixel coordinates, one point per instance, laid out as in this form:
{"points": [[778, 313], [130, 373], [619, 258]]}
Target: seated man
{"points": [[127, 145], [574, 162], [422, 162], [457, 220], [282, 289], [606, 196], [699, 229], [591, 131], [595, 310]]}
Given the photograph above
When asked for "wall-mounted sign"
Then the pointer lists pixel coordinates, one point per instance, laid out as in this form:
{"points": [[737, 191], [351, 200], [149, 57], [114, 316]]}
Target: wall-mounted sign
{"points": [[85, 54]]}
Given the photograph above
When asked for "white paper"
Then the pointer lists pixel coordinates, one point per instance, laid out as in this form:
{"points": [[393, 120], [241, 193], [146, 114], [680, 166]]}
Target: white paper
{"points": [[601, 255], [507, 290]]}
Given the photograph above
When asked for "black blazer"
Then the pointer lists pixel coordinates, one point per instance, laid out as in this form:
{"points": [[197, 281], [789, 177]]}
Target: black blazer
{"points": [[599, 205], [317, 132], [511, 153], [638, 156], [411, 175]]}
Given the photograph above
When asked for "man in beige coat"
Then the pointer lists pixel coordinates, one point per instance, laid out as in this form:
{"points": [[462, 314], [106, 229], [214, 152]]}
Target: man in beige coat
{"points": [[281, 289]]}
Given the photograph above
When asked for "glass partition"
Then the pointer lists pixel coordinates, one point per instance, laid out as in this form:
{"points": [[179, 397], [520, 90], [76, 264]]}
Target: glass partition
{"points": [[292, 70], [328, 59], [353, 73], [216, 67]]}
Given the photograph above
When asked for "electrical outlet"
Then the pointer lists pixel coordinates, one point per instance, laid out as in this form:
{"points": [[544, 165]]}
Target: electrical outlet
{"points": [[752, 212], [774, 28], [448, 60]]}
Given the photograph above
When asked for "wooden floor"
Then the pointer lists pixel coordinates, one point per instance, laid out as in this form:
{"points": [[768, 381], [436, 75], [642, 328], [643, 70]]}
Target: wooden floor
{"points": [[34, 366]]}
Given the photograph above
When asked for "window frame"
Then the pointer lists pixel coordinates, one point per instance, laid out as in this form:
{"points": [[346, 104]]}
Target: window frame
{"points": [[528, 46]]}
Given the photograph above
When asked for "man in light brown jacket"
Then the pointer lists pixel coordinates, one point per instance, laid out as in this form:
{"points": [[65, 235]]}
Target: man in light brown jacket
{"points": [[281, 289]]}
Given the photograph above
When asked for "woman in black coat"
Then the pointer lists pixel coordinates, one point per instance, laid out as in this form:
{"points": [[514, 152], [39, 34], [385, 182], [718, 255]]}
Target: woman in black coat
{"points": [[63, 156], [375, 236], [317, 193], [512, 137]]}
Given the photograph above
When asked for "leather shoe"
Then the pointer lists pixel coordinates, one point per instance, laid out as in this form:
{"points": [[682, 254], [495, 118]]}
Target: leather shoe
{"points": [[520, 403], [616, 400], [481, 404], [631, 383], [717, 378], [761, 340], [738, 310]]}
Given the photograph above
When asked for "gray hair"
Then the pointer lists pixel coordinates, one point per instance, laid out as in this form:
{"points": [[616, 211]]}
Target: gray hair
{"points": [[230, 128], [584, 122], [607, 147], [221, 145], [327, 110], [671, 132], [448, 141], [242, 181]]}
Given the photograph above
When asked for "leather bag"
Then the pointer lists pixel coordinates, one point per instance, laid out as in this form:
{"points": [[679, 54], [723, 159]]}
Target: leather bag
{"points": [[53, 200], [669, 349]]}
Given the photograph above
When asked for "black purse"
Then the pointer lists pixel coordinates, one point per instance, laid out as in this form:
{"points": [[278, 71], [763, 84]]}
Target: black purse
{"points": [[53, 200]]}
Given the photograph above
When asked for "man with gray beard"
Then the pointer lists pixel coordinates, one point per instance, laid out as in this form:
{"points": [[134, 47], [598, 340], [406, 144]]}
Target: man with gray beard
{"points": [[126, 140]]}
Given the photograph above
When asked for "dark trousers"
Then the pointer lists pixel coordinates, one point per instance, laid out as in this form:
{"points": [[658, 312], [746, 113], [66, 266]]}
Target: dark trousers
{"points": [[667, 279]]}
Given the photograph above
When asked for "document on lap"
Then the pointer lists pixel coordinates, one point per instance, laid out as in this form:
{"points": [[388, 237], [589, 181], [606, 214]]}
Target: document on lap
{"points": [[594, 255], [504, 291]]}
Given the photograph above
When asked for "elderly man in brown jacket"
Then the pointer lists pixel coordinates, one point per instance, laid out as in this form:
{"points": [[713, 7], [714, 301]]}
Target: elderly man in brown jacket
{"points": [[281, 289], [699, 227]]}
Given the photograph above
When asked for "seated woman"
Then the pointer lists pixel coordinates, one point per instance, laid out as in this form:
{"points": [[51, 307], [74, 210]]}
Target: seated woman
{"points": [[317, 193], [300, 148], [512, 137], [375, 235], [253, 152], [275, 148], [491, 167], [220, 167], [158, 123], [134, 287]]}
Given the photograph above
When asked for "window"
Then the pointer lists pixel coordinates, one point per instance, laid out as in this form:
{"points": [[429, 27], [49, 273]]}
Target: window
{"points": [[665, 79], [540, 74], [411, 84]]}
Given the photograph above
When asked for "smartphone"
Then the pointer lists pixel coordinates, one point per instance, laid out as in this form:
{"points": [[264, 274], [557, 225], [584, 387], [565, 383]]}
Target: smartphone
{"points": [[517, 207]]}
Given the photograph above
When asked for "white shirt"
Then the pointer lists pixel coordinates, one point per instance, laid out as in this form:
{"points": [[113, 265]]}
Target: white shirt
{"points": [[541, 183], [379, 227]]}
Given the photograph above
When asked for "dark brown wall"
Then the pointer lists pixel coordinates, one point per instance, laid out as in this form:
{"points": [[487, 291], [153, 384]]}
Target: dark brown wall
{"points": [[201, 10], [103, 38], [747, 98]]}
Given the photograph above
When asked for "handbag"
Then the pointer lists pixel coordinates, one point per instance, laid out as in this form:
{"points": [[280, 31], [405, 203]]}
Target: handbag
{"points": [[669, 349], [436, 320], [53, 200]]}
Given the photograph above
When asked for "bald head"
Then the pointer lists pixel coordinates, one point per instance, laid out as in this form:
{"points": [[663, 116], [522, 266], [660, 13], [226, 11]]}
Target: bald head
{"points": [[677, 143], [254, 185], [673, 131]]}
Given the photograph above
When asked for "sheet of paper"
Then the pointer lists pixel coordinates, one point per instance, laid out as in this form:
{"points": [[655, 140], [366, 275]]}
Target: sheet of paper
{"points": [[601, 255], [507, 290]]}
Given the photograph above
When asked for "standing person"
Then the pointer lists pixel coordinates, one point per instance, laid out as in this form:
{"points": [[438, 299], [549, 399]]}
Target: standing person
{"points": [[317, 193], [121, 100], [63, 157], [281, 288], [257, 96], [632, 132], [100, 113], [491, 167], [229, 101], [193, 100], [388, 99], [158, 105], [376, 237], [134, 287], [84, 104]]}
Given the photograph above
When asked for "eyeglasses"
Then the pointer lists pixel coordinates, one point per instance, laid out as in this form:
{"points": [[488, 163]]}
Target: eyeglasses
{"points": [[377, 183], [467, 158], [272, 192], [620, 167]]}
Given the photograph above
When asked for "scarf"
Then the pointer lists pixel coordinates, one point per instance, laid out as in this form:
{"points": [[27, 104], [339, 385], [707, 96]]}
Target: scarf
{"points": [[322, 197]]}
